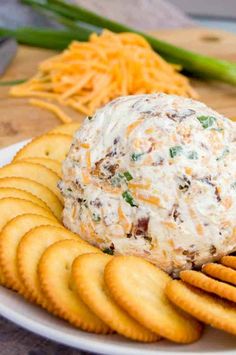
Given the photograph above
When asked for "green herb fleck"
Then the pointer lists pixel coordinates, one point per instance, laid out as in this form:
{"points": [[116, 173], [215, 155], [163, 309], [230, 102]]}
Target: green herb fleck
{"points": [[193, 155], [136, 156], [177, 150], [129, 198], [224, 153], [90, 117], [96, 217], [128, 176], [108, 251], [116, 180], [233, 185], [206, 121], [13, 82], [217, 129]]}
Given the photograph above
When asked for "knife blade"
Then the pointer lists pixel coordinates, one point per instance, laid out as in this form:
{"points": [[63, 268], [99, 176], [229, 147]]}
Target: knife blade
{"points": [[8, 48]]}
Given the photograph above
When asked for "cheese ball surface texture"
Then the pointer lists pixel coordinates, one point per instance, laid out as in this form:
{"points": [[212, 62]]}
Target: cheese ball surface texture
{"points": [[154, 176]]}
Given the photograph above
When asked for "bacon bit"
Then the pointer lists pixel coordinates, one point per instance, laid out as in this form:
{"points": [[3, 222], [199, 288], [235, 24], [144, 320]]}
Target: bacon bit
{"points": [[199, 229], [150, 199], [227, 202], [169, 225], [132, 126], [136, 185], [85, 145], [188, 170], [124, 221], [88, 159], [85, 177], [142, 227]]}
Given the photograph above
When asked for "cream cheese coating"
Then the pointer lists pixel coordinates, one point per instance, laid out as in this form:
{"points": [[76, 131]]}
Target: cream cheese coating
{"points": [[154, 176]]}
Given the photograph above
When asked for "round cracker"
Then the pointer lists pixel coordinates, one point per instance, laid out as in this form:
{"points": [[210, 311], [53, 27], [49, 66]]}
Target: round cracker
{"points": [[209, 309], [36, 189], [11, 207], [68, 128], [220, 272], [206, 283], [35, 172], [139, 288], [53, 146], [30, 249], [87, 275], [24, 195], [229, 261], [57, 284], [11, 235], [52, 164]]}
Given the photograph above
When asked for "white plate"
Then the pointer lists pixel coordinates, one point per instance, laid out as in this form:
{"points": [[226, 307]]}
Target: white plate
{"points": [[35, 319]]}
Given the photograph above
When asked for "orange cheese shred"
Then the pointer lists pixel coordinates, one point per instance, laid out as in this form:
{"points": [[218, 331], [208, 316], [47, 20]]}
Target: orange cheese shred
{"points": [[136, 185], [85, 176], [152, 200], [53, 108], [88, 159], [87, 75], [123, 220], [132, 126]]}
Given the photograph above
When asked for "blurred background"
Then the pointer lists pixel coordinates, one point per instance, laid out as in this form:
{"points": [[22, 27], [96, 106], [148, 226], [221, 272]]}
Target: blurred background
{"points": [[210, 13], [168, 14]]}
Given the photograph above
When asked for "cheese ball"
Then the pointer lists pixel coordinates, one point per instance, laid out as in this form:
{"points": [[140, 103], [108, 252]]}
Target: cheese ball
{"points": [[154, 176]]}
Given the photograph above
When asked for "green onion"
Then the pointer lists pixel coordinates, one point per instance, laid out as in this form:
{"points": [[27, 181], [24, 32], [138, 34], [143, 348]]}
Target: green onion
{"points": [[197, 64], [192, 155], [108, 251], [206, 121], [136, 156], [45, 37], [233, 185], [96, 217], [174, 151], [224, 153], [128, 176], [13, 82], [129, 198]]}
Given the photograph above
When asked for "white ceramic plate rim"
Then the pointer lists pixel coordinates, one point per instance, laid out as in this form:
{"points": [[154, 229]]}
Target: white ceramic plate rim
{"points": [[36, 320]]}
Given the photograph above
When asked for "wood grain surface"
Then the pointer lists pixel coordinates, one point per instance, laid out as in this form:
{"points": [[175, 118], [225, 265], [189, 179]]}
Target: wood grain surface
{"points": [[19, 120]]}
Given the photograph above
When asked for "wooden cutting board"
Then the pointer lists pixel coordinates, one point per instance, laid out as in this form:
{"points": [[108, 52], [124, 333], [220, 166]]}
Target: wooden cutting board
{"points": [[19, 120]]}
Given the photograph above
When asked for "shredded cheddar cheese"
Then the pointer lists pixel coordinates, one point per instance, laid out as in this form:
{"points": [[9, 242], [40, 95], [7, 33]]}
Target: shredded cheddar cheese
{"points": [[89, 74], [124, 221], [53, 108]]}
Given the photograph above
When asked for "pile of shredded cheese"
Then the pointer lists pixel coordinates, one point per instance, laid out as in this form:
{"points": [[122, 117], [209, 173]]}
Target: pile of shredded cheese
{"points": [[89, 74]]}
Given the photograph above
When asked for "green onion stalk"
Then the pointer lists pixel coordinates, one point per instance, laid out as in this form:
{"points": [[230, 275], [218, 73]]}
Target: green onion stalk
{"points": [[45, 37], [197, 64]]}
